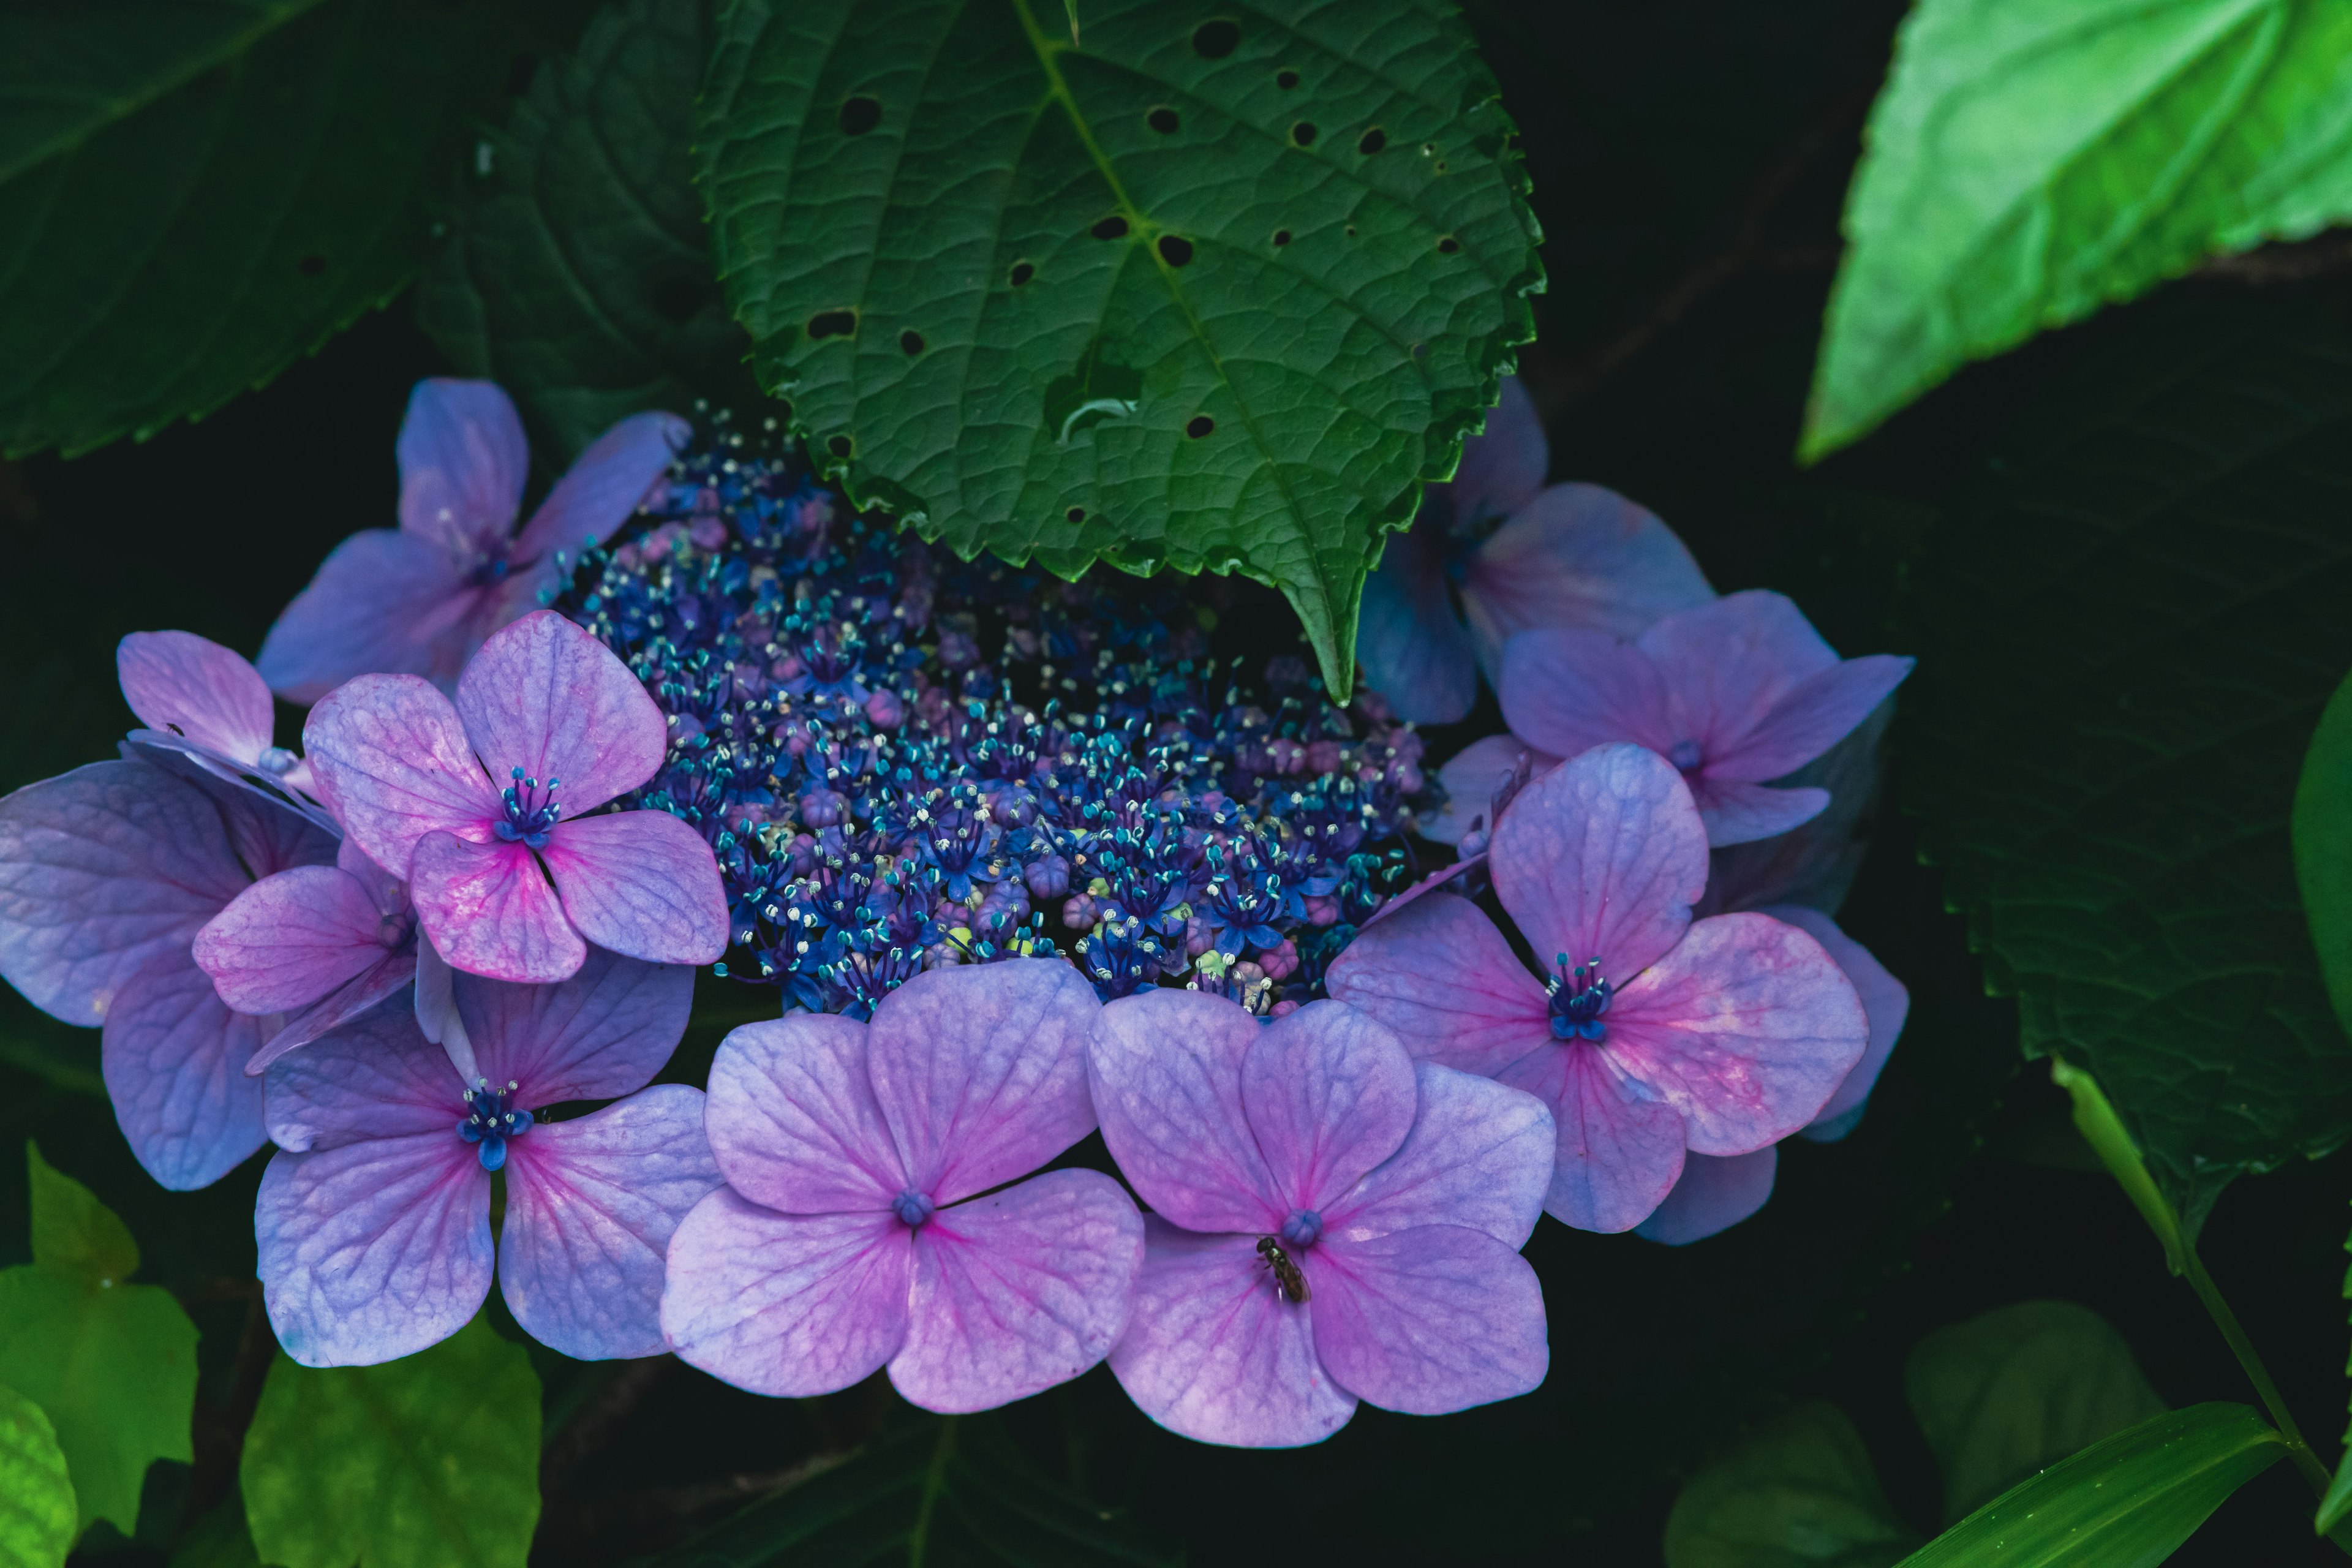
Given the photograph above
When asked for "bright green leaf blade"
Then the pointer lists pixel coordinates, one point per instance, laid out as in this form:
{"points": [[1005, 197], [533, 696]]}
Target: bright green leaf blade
{"points": [[2323, 846], [431, 1461], [37, 1521], [578, 272], [2128, 1502], [1798, 1492], [73, 1233], [2030, 161], [1141, 299], [2005, 1393], [2125, 641]]}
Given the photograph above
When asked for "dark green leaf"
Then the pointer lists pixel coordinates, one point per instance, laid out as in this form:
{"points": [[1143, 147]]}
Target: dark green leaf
{"points": [[36, 1500], [431, 1461], [578, 272], [1204, 294], [2128, 1502], [74, 1233], [2126, 641], [2323, 846], [2027, 164], [1799, 1492], [942, 1490], [2336, 1506], [219, 1539]]}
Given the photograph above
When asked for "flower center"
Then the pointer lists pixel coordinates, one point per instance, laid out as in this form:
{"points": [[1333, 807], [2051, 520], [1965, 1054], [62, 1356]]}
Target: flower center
{"points": [[912, 1209], [492, 570], [1578, 997], [277, 761], [489, 1121], [1685, 755], [531, 811], [1303, 1228]]}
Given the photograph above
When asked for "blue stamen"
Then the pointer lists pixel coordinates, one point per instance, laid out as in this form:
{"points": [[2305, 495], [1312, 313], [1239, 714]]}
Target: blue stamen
{"points": [[489, 1121], [1578, 997], [1303, 1228], [912, 1209], [531, 813], [1685, 755]]}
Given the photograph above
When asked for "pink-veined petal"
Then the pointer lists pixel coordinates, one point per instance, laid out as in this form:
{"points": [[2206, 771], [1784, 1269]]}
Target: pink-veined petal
{"points": [[463, 460], [197, 689], [793, 1121], [1566, 691], [1329, 1093], [489, 910], [290, 939], [1725, 663], [392, 760], [1411, 645], [603, 487], [383, 603], [642, 883], [604, 1031], [1715, 1193], [375, 1078], [1479, 1154], [1165, 1067], [1821, 711], [173, 1056], [1619, 1152], [1577, 555], [1427, 1321], [546, 697], [1440, 974], [1885, 1005]]}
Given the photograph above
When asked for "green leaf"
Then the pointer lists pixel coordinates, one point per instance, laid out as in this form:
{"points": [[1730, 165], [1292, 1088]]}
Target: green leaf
{"points": [[1004, 278], [2323, 846], [193, 195], [2028, 162], [431, 1461], [38, 1522], [112, 1364], [2128, 1502], [2125, 640], [1800, 1491], [2005, 1393], [950, 1490], [578, 272]]}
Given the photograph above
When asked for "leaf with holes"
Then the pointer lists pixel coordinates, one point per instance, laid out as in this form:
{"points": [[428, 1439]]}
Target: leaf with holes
{"points": [[1214, 291]]}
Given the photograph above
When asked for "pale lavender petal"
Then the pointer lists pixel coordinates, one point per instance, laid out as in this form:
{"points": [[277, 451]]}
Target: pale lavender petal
{"points": [[792, 1118], [1819, 713], [1018, 1290], [602, 488], [1565, 692], [1716, 1192], [392, 760], [373, 1251], [786, 1304], [1619, 1153], [601, 1033], [174, 1059], [642, 883], [1470, 778], [546, 697], [463, 460], [1440, 974], [1601, 859], [1737, 813], [354, 999], [374, 1077], [290, 939], [1165, 1067], [1479, 1154], [1434, 1318], [1577, 555], [489, 910], [1726, 663], [384, 603], [197, 689], [1411, 645], [1814, 863], [1329, 1092], [1215, 1354], [1504, 465], [981, 1071], [436, 1012], [1885, 1003], [268, 834], [590, 1206], [1747, 1029]]}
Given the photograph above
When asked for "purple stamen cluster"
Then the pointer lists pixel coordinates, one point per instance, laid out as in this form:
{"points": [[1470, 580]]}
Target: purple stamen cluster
{"points": [[489, 1121], [1578, 997], [531, 812]]}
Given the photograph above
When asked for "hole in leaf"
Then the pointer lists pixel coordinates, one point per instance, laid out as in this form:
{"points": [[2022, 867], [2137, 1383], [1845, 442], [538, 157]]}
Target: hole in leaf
{"points": [[1351, 231], [1175, 251], [911, 341], [860, 114], [1421, 351], [1022, 273], [1303, 133], [1285, 79], [1441, 165], [1371, 141], [1076, 514], [839, 446], [1448, 246], [311, 265], [1201, 425], [1215, 40], [1163, 120], [1110, 228], [1281, 237], [833, 325]]}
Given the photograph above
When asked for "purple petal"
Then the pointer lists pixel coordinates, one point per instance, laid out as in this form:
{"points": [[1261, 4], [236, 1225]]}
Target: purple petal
{"points": [[1166, 1071], [1428, 1321], [981, 1071], [373, 1251], [1725, 664], [642, 883], [1215, 1354], [1715, 1193], [352, 1000], [1601, 859], [1821, 711], [392, 760], [1619, 1152], [603, 487], [1565, 692], [601, 1033], [1019, 1290], [290, 939], [436, 1012], [374, 1077], [1479, 1154], [1409, 644], [1442, 976], [489, 910], [384, 603], [268, 834], [1329, 1093], [545, 697], [173, 1059], [1739, 813], [463, 460], [1470, 779], [590, 1206], [793, 1121], [786, 1304], [1814, 863], [1885, 1003], [1747, 1029], [197, 689], [1577, 555], [1504, 465]]}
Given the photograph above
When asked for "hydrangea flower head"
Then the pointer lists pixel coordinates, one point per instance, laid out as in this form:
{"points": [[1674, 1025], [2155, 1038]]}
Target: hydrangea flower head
{"points": [[479, 806], [199, 698], [865, 1222], [374, 1220], [1332, 1221], [1650, 1034], [419, 599]]}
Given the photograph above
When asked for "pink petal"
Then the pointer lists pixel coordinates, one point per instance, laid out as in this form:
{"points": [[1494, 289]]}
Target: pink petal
{"points": [[1329, 1093], [375, 1078], [545, 697], [591, 1207], [1019, 1290], [642, 883], [1428, 1321], [489, 910], [1479, 1155], [786, 1304], [792, 1118], [1739, 813], [1578, 555], [384, 603], [1725, 664], [1619, 1152], [981, 1071], [373, 1251], [1603, 858], [173, 1056], [601, 1033], [1567, 691], [290, 939], [392, 761], [604, 486], [1716, 1192], [1885, 1003], [1747, 1029], [1504, 465], [1409, 642], [1440, 974], [1165, 1067], [1822, 711], [197, 689], [1215, 1354], [1470, 778], [463, 460]]}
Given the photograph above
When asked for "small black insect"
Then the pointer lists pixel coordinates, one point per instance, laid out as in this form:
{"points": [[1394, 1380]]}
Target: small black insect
{"points": [[1287, 1279]]}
